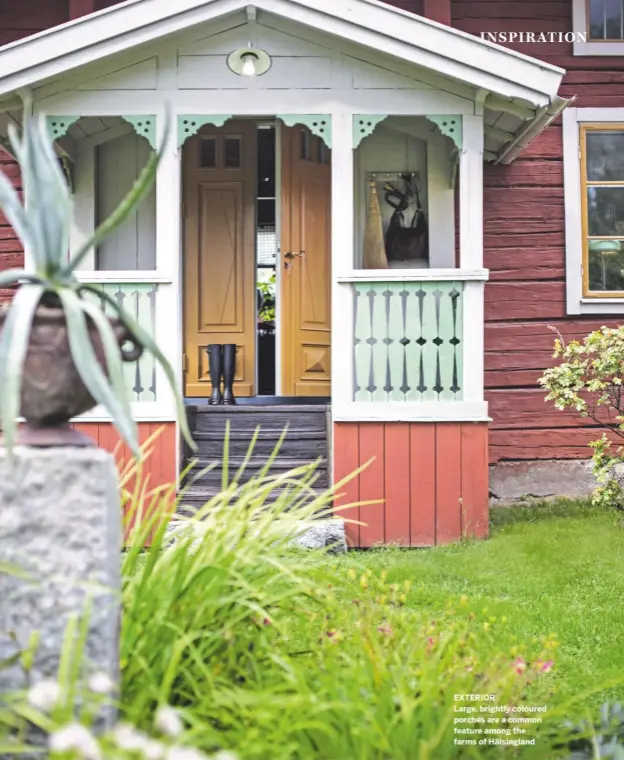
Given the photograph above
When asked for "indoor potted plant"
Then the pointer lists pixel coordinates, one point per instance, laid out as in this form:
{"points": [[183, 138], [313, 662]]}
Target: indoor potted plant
{"points": [[60, 355]]}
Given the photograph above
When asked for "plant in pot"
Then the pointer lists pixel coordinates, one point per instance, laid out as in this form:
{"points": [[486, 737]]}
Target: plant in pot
{"points": [[60, 354]]}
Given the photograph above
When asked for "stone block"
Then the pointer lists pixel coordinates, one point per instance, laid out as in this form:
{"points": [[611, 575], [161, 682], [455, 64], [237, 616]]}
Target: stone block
{"points": [[60, 523]]}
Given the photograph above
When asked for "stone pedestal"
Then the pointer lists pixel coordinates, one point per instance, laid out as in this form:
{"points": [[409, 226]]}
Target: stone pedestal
{"points": [[60, 522]]}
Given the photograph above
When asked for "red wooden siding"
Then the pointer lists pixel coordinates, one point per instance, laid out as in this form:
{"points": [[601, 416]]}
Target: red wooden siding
{"points": [[159, 468], [524, 244], [430, 480]]}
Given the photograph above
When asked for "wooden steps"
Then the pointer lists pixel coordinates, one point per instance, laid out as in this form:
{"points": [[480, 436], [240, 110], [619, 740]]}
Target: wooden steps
{"points": [[306, 441]]}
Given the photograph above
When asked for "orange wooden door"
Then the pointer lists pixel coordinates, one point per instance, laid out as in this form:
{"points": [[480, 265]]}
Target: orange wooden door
{"points": [[305, 313], [219, 252]]}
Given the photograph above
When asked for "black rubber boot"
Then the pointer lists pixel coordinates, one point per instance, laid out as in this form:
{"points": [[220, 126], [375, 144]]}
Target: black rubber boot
{"points": [[229, 370], [215, 365]]}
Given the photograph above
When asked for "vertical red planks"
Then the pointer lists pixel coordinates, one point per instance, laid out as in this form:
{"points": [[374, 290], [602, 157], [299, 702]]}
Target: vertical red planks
{"points": [[474, 471], [346, 451], [372, 483], [448, 482], [397, 483], [423, 480]]}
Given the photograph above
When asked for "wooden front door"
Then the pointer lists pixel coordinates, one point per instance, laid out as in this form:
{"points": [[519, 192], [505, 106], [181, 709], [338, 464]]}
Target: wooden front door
{"points": [[305, 314], [219, 252]]}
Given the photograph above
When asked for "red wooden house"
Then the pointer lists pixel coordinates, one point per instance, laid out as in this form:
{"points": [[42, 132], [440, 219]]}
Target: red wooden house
{"points": [[313, 139]]}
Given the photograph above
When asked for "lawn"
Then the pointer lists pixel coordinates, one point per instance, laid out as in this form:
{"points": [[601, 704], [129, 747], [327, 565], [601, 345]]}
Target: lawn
{"points": [[549, 569]]}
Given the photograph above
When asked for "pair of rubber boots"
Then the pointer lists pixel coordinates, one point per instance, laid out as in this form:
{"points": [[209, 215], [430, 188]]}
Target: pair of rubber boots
{"points": [[222, 363]]}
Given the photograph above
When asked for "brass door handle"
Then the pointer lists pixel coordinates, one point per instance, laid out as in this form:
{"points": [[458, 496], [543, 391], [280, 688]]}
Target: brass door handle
{"points": [[290, 255]]}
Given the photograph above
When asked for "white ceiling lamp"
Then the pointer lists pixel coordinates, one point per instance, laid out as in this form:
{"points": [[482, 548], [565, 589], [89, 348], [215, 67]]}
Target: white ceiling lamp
{"points": [[249, 62]]}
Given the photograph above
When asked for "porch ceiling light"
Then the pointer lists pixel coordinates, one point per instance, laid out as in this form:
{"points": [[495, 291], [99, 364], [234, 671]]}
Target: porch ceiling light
{"points": [[249, 62]]}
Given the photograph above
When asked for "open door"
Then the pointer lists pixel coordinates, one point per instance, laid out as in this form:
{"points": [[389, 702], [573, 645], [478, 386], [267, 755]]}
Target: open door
{"points": [[219, 252], [305, 293]]}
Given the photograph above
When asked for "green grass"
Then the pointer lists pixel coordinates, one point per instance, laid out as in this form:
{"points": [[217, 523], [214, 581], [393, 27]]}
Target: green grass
{"points": [[549, 569]]}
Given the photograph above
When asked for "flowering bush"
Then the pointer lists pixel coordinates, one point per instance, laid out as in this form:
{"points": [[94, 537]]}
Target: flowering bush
{"points": [[589, 379]]}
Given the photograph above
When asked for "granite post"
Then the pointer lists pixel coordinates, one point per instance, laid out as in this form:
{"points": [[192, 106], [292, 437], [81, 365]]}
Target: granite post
{"points": [[60, 523]]}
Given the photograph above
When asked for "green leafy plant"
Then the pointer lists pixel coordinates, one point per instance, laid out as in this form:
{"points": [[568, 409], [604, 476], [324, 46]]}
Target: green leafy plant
{"points": [[589, 379], [43, 226], [267, 290]]}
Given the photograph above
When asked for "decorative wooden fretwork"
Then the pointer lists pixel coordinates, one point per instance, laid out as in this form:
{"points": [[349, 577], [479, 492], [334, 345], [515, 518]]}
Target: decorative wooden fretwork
{"points": [[449, 126], [145, 126], [319, 124], [408, 341], [139, 299], [364, 125], [58, 125], [190, 124]]}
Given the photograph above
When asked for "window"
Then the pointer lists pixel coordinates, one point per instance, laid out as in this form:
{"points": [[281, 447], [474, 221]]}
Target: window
{"points": [[593, 144], [602, 202], [598, 27]]}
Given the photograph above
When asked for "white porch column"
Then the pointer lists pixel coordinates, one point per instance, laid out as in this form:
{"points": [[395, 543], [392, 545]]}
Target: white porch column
{"points": [[471, 255], [343, 250], [168, 327], [471, 194]]}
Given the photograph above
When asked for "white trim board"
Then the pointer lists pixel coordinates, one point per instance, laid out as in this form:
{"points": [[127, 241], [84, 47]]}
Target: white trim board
{"points": [[401, 35], [590, 47], [576, 302], [410, 411]]}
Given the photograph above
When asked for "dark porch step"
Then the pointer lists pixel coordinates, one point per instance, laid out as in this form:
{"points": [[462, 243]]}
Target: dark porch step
{"points": [[272, 419], [298, 444], [195, 497]]}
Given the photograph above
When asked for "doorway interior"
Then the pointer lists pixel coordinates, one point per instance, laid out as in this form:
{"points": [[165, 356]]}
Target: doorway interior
{"points": [[257, 211]]}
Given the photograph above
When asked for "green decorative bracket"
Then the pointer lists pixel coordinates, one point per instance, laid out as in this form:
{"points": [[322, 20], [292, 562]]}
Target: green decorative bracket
{"points": [[145, 126], [319, 124], [58, 125], [190, 124], [449, 126], [364, 125]]}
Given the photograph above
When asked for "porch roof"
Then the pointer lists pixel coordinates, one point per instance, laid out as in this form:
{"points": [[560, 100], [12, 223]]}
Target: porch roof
{"points": [[518, 93]]}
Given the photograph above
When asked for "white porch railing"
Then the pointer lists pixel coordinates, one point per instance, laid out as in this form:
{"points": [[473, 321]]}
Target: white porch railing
{"points": [[151, 301], [413, 345]]}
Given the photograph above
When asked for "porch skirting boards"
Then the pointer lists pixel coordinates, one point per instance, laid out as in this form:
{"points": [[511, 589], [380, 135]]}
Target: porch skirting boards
{"points": [[429, 479]]}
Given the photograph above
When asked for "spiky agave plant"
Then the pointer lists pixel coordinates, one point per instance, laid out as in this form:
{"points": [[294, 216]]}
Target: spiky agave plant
{"points": [[43, 226]]}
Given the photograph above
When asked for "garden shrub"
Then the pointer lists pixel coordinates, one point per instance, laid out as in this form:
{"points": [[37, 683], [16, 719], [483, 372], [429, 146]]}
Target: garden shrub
{"points": [[234, 642], [589, 379]]}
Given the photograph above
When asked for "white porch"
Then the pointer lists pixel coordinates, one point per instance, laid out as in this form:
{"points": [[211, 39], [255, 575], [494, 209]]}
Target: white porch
{"points": [[361, 70]]}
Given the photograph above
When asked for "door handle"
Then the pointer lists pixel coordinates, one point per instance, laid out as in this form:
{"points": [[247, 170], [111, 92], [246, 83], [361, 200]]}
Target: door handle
{"points": [[290, 256]]}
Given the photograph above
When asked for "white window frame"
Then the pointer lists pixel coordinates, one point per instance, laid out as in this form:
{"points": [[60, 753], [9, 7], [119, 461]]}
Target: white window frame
{"points": [[573, 119], [586, 46]]}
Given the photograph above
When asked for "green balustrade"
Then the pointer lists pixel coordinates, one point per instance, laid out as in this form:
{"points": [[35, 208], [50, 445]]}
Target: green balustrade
{"points": [[139, 299], [408, 341]]}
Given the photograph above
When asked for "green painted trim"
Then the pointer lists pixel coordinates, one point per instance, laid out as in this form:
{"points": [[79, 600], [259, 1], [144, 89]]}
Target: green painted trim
{"points": [[319, 124], [138, 298], [408, 341], [145, 126], [58, 125], [449, 126], [364, 125], [189, 124]]}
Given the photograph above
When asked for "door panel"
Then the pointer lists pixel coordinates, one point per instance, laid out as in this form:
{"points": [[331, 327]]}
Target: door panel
{"points": [[305, 285], [219, 252]]}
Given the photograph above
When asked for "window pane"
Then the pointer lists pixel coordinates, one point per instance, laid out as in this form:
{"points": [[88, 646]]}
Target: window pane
{"points": [[614, 20], [208, 153], [596, 19], [305, 144], [606, 265], [233, 152], [605, 209], [605, 156], [606, 19]]}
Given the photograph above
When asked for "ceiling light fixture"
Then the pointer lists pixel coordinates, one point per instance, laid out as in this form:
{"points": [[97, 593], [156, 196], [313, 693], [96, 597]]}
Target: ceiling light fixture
{"points": [[249, 62]]}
